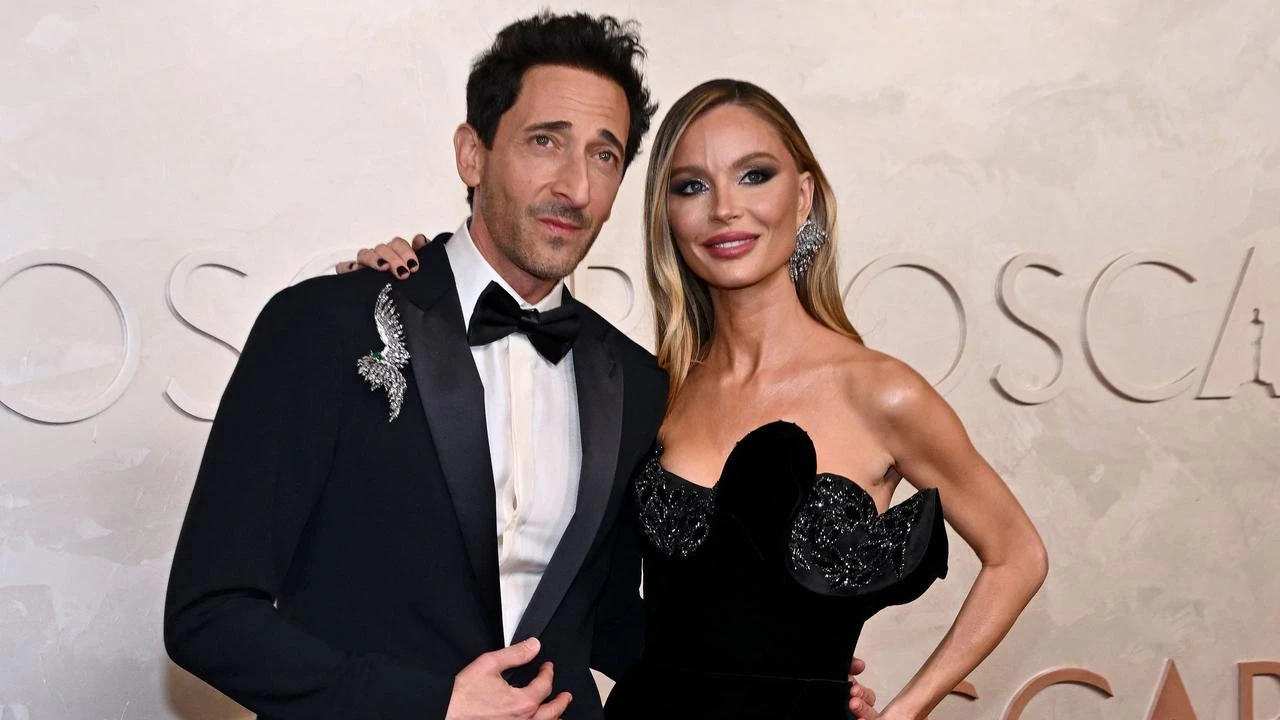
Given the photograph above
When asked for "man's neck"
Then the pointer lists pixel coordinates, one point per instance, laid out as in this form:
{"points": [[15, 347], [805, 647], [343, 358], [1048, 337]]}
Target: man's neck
{"points": [[530, 288]]}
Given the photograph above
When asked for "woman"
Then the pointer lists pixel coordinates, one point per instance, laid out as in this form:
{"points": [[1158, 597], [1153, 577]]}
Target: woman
{"points": [[765, 502]]}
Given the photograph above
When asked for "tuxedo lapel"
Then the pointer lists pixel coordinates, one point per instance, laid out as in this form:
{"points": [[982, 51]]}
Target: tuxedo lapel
{"points": [[452, 397], [599, 380]]}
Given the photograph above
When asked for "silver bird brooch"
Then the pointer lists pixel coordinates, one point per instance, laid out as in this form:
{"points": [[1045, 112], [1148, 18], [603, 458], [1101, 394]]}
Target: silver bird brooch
{"points": [[381, 368]]}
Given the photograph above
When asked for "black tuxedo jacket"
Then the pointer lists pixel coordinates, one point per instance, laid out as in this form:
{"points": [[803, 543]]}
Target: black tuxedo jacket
{"points": [[333, 564]]}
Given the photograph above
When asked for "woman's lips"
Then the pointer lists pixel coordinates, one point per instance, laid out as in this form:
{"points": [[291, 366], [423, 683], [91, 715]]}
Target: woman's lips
{"points": [[729, 245]]}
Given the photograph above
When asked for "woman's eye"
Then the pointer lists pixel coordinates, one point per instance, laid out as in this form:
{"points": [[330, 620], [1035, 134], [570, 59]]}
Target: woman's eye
{"points": [[689, 187], [755, 177]]}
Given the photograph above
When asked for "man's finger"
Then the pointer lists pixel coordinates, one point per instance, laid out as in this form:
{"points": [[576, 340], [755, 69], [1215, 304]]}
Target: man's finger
{"points": [[512, 656], [555, 708], [540, 687], [857, 666], [419, 240]]}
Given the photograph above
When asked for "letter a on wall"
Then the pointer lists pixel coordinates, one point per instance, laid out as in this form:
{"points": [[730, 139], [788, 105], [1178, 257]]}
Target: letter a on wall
{"points": [[1172, 702]]}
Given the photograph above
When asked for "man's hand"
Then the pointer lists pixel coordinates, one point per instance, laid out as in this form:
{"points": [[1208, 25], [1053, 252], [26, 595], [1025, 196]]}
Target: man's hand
{"points": [[480, 693], [862, 699]]}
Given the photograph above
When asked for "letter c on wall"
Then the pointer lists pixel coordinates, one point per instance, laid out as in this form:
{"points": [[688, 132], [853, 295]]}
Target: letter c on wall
{"points": [[1060, 676], [1108, 277]]}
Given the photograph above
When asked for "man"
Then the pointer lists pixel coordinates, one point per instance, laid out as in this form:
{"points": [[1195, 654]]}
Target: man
{"points": [[325, 570], [418, 527]]}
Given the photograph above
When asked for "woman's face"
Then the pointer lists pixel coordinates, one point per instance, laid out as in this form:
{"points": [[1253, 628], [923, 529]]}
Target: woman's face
{"points": [[736, 198]]}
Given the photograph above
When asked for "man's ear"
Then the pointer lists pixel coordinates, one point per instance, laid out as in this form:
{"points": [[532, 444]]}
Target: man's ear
{"points": [[469, 154]]}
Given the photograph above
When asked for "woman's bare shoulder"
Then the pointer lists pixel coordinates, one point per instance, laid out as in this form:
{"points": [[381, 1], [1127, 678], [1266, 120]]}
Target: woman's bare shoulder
{"points": [[880, 385]]}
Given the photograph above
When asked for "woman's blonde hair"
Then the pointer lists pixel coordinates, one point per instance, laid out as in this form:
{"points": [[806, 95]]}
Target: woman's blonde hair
{"points": [[681, 300]]}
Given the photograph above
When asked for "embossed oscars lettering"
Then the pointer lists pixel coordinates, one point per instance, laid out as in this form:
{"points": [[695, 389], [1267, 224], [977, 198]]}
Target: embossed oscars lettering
{"points": [[1093, 315], [1242, 353], [209, 327], [628, 288], [1049, 678], [106, 281], [959, 299], [965, 690], [1247, 671], [1018, 312], [1171, 701]]}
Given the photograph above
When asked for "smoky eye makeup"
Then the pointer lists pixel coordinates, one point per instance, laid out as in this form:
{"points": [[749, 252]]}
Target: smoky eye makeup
{"points": [[687, 187], [757, 175]]}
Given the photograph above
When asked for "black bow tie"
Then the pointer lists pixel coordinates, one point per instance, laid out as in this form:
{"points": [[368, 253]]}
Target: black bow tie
{"points": [[497, 315]]}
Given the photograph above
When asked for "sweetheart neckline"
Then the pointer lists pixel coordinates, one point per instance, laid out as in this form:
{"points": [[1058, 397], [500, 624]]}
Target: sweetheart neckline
{"points": [[711, 489]]}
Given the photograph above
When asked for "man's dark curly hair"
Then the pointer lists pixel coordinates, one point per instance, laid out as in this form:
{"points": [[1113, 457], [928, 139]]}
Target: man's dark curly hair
{"points": [[602, 45]]}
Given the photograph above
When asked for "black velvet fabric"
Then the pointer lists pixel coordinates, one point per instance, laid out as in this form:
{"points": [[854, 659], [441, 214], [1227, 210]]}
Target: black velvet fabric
{"points": [[736, 627]]}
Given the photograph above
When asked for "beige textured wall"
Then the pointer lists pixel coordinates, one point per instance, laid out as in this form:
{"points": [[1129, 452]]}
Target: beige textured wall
{"points": [[146, 137]]}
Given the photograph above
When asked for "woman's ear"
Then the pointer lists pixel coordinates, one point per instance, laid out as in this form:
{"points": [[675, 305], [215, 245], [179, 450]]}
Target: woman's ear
{"points": [[806, 198]]}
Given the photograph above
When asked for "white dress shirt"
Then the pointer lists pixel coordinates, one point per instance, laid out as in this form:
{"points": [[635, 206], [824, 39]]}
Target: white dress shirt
{"points": [[535, 443]]}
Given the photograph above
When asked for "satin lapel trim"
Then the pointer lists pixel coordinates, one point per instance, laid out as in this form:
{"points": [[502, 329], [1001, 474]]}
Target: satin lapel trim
{"points": [[452, 397], [599, 380]]}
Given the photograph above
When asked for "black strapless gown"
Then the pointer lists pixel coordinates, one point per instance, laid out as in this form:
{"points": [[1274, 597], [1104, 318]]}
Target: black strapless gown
{"points": [[756, 590]]}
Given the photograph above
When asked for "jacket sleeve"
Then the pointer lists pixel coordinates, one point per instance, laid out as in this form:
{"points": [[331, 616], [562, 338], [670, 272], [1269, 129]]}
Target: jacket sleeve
{"points": [[268, 455]]}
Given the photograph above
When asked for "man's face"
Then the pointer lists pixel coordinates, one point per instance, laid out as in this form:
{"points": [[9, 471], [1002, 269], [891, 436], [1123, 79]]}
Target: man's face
{"points": [[547, 186]]}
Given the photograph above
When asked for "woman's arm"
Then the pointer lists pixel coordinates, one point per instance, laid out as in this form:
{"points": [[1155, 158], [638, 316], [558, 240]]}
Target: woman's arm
{"points": [[932, 450]]}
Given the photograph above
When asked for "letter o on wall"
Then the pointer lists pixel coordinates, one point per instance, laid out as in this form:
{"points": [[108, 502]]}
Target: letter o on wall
{"points": [[954, 291], [128, 325]]}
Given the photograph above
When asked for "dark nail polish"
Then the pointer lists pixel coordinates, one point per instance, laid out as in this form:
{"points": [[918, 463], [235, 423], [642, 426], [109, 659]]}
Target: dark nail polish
{"points": [[401, 272], [413, 264], [382, 263]]}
